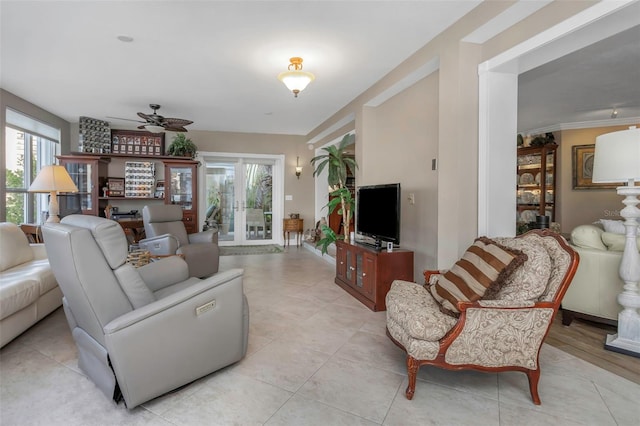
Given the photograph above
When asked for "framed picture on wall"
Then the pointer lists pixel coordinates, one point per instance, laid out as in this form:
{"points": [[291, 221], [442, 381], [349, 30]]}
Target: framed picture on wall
{"points": [[582, 166]]}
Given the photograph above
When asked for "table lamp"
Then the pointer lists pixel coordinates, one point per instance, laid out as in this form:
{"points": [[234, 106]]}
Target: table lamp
{"points": [[53, 179], [617, 159]]}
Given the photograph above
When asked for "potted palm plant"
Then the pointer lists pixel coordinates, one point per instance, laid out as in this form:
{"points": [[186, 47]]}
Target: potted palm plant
{"points": [[181, 146], [338, 165]]}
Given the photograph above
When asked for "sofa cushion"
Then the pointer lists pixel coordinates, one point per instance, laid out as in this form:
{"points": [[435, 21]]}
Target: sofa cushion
{"points": [[16, 293], [588, 236], [529, 281], [14, 246], [482, 270], [411, 307], [616, 242]]}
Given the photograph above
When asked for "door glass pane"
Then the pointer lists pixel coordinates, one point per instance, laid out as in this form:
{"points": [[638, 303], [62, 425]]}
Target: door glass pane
{"points": [[81, 175], [182, 187], [258, 194], [221, 198]]}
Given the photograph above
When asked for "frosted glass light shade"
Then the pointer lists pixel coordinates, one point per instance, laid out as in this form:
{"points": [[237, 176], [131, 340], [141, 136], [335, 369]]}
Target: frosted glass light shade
{"points": [[617, 157], [296, 81], [53, 178], [154, 129]]}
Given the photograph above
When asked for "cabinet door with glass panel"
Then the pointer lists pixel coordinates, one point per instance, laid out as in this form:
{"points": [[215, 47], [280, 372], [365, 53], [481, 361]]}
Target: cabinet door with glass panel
{"points": [[87, 173], [536, 195], [181, 188]]}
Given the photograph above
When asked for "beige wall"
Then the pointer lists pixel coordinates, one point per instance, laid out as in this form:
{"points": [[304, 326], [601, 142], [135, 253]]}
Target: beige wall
{"points": [[579, 206], [404, 139], [457, 111]]}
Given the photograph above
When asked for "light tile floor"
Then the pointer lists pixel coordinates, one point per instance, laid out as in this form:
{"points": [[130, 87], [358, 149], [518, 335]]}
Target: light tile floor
{"points": [[316, 357]]}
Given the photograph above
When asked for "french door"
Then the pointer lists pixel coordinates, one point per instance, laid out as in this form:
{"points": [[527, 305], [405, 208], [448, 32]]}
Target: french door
{"points": [[243, 196]]}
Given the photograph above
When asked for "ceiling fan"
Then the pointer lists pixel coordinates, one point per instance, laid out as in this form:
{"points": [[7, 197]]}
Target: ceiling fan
{"points": [[156, 123]]}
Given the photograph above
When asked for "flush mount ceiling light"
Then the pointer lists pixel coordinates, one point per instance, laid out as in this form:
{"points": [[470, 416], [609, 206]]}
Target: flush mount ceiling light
{"points": [[295, 79]]}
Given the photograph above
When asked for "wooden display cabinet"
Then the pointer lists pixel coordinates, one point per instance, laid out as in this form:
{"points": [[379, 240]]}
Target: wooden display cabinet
{"points": [[536, 194], [367, 273], [181, 187], [88, 173]]}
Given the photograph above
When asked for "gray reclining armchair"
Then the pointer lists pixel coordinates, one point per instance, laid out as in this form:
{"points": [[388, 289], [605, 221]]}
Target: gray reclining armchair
{"points": [[142, 332], [167, 235]]}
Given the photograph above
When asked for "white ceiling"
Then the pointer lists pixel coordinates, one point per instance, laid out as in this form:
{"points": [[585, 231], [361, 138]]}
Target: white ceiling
{"points": [[584, 86], [212, 62], [216, 62]]}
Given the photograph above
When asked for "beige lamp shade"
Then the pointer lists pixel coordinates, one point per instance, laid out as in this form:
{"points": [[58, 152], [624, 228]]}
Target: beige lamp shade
{"points": [[53, 179], [617, 157]]}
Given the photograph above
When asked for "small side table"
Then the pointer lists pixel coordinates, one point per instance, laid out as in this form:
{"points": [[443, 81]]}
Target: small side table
{"points": [[292, 225]]}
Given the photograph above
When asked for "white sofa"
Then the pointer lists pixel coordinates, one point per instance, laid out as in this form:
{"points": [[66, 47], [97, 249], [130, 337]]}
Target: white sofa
{"points": [[593, 294], [28, 289]]}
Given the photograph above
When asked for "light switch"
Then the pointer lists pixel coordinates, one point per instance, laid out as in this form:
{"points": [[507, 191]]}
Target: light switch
{"points": [[288, 197], [412, 198]]}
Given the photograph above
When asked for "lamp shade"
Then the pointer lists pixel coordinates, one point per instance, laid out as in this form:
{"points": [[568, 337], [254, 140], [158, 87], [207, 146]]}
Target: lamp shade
{"points": [[296, 81], [617, 157], [53, 178]]}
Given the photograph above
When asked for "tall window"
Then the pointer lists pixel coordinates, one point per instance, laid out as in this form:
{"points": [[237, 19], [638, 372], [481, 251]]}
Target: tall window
{"points": [[26, 152]]}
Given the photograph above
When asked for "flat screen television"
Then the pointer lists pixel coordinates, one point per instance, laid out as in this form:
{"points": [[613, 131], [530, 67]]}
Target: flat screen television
{"points": [[378, 212]]}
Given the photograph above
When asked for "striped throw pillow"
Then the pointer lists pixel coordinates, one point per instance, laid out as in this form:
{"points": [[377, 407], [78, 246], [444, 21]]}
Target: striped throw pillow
{"points": [[481, 271]]}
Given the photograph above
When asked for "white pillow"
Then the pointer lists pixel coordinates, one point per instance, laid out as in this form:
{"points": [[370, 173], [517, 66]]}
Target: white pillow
{"points": [[613, 226]]}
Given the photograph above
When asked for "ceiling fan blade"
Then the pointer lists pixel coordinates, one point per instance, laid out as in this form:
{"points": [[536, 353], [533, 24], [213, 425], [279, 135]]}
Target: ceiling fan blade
{"points": [[176, 122], [125, 119], [175, 129]]}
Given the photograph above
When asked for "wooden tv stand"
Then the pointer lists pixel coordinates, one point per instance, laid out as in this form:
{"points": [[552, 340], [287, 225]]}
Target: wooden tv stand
{"points": [[367, 273]]}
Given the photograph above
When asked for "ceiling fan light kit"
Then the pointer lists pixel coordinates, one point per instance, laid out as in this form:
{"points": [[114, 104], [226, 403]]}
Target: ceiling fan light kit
{"points": [[295, 79]]}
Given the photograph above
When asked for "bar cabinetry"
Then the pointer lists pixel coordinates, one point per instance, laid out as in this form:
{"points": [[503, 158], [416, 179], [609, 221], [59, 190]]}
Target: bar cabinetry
{"points": [[367, 273]]}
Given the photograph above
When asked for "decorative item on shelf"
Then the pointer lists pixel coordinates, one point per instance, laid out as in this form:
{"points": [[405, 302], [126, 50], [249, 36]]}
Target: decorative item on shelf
{"points": [[115, 187], [617, 159], [520, 140], [540, 140], [94, 136], [338, 165], [53, 179], [298, 168], [295, 79], [137, 143], [294, 215], [139, 179], [181, 146], [159, 193]]}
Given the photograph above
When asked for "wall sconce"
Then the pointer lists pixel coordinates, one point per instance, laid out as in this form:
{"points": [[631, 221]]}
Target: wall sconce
{"points": [[298, 167]]}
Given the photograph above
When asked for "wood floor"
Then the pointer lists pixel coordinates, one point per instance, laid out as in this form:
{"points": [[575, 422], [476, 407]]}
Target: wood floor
{"points": [[585, 340]]}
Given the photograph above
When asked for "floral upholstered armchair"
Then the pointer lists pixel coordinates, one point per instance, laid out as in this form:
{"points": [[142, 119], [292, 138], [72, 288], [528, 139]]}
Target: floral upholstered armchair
{"points": [[490, 312]]}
